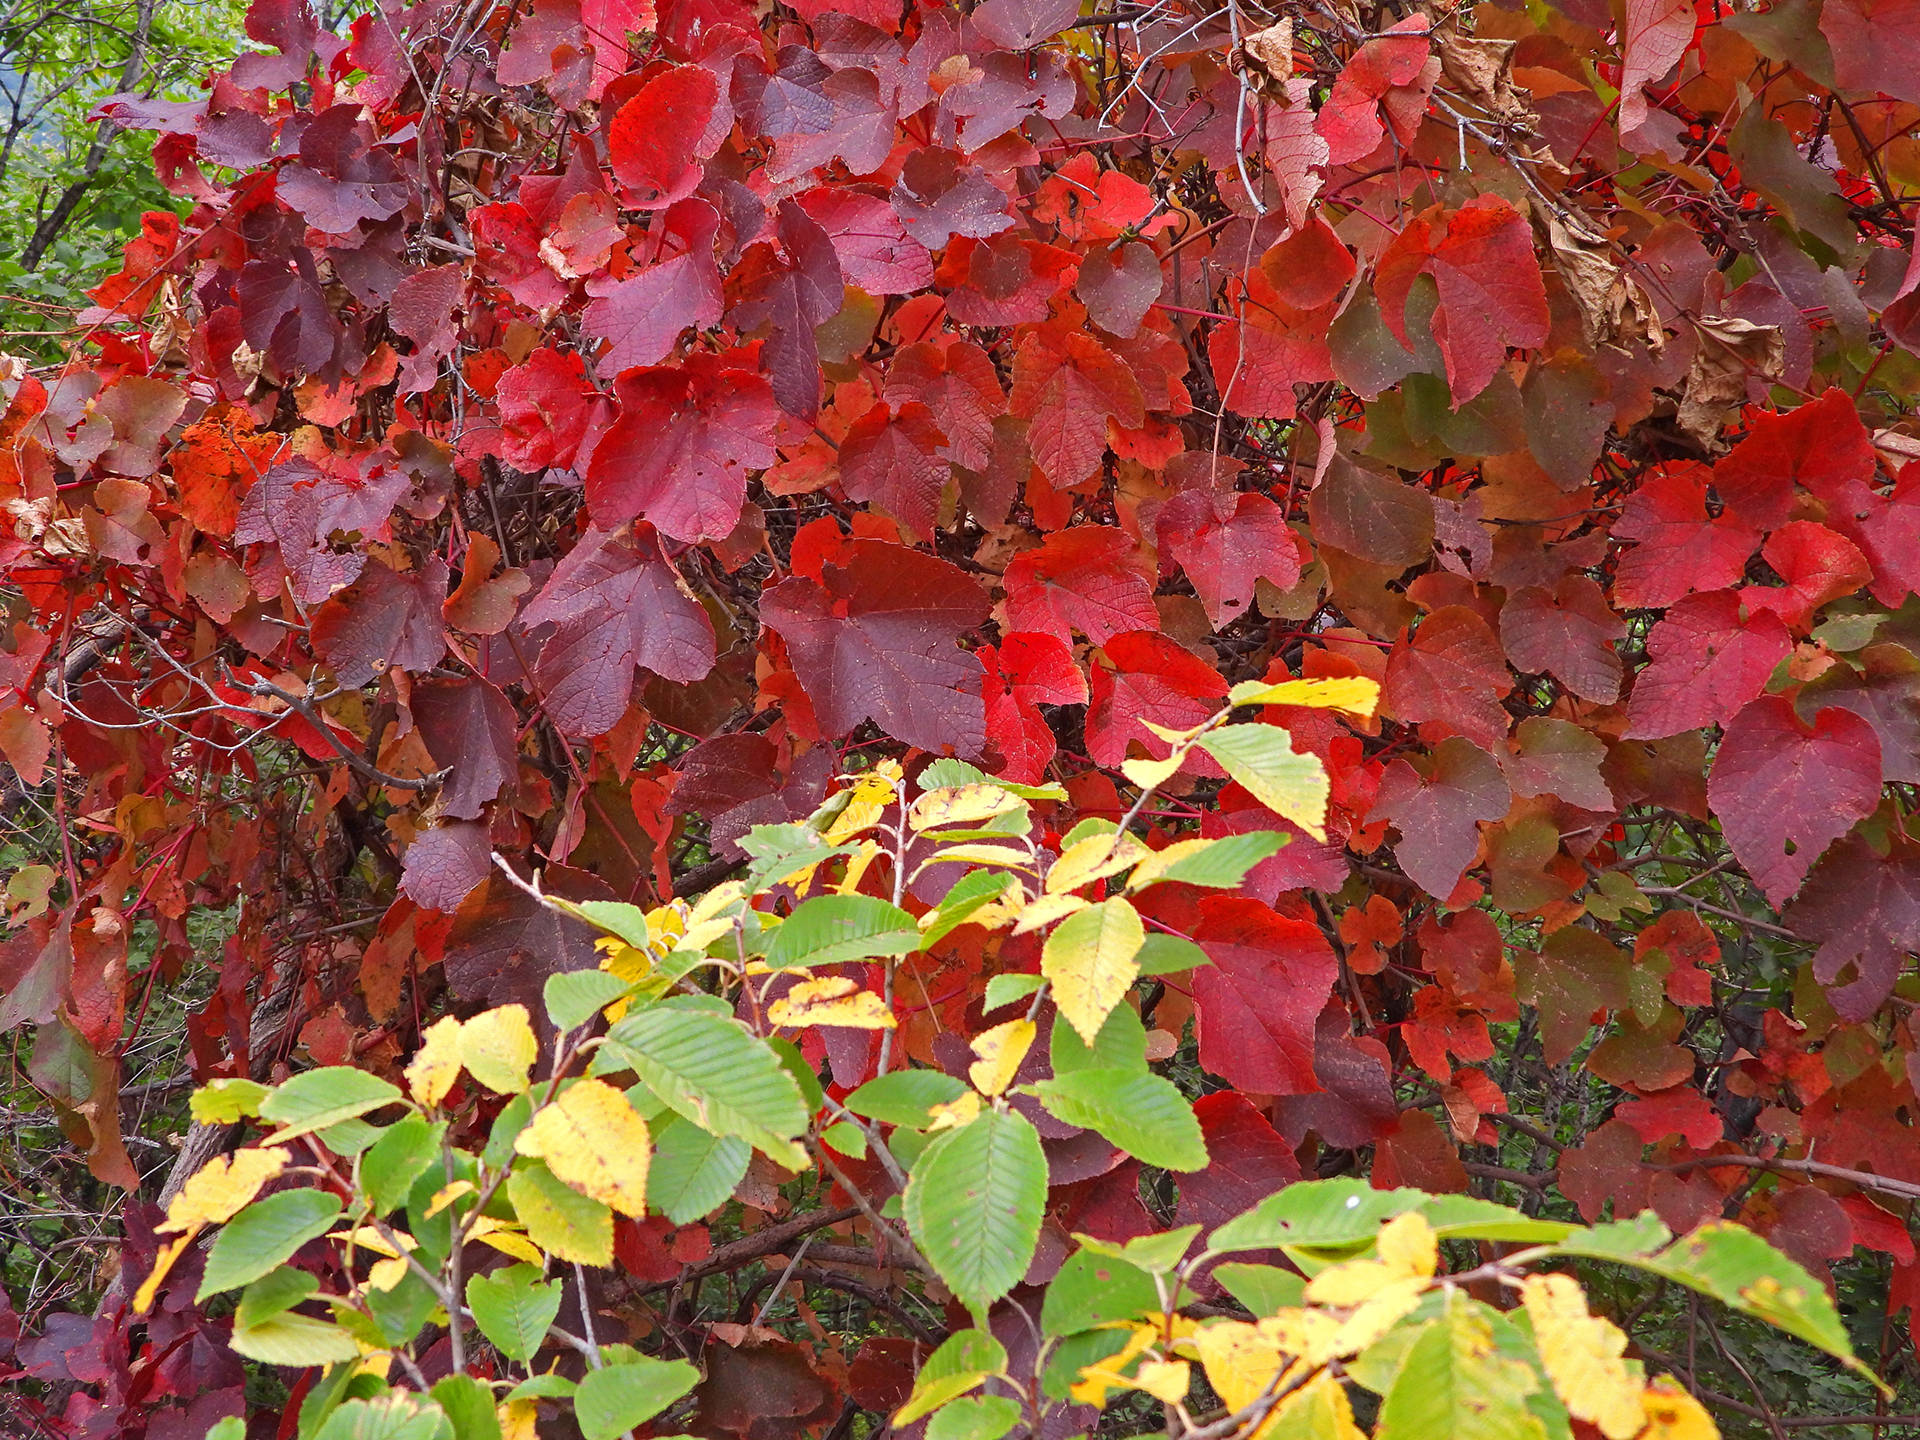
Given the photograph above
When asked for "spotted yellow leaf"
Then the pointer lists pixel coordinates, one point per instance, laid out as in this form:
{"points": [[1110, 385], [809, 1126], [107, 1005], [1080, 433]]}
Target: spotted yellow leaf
{"points": [[1001, 1050], [1319, 1409], [596, 1143], [961, 805], [1043, 910], [1090, 959], [436, 1065], [1091, 859], [1406, 1250], [1166, 1380], [867, 801], [1582, 1354], [1241, 1360], [955, 1113], [498, 1048], [1673, 1414], [837, 1000]]}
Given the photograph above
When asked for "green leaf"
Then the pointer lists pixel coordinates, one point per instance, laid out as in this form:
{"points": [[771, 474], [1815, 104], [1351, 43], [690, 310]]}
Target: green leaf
{"points": [[469, 1406], [1120, 1045], [1142, 1113], [264, 1235], [1740, 1270], [615, 917], [293, 1339], [1263, 1289], [1261, 758], [959, 772], [513, 1308], [614, 1399], [693, 1172], [903, 1097], [1170, 955], [1315, 1214], [397, 1415], [795, 1064], [779, 851], [222, 1102], [1157, 1254], [543, 1387], [833, 929], [979, 1417], [1220, 864], [230, 1427], [969, 893], [710, 1070], [1455, 1381], [399, 1158], [324, 1097], [974, 1204], [846, 1138], [1005, 989], [1094, 1289], [274, 1293], [559, 1219], [574, 997], [963, 1360]]}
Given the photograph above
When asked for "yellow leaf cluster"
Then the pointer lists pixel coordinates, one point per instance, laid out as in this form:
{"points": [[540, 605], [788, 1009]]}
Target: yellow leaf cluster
{"points": [[596, 1143], [867, 801], [1407, 1249], [1581, 1354]]}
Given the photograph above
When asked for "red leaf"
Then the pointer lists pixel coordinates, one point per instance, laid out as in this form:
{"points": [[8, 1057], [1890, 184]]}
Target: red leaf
{"points": [[1783, 793], [875, 251], [643, 315], [1225, 543], [1068, 386], [679, 453], [1438, 813], [1450, 672], [1558, 758], [1681, 1111], [469, 727], [1147, 677], [385, 619], [1657, 34], [1491, 295], [547, 407], [1817, 564], [875, 639], [1258, 1001], [1568, 633], [1681, 942], [1119, 287], [616, 603], [1886, 528], [1350, 119], [1821, 445], [1249, 1161], [1024, 673], [1875, 43], [1080, 579], [1706, 664], [891, 459], [446, 864], [1680, 549], [956, 381], [505, 943], [654, 141]]}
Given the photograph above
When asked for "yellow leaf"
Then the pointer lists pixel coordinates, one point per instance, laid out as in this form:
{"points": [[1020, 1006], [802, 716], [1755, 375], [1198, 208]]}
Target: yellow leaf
{"points": [[446, 1195], [1406, 1255], [1407, 1243], [961, 805], [596, 1143], [519, 1419], [1318, 1410], [213, 1195], [1241, 1360], [1673, 1414], [508, 1242], [1158, 862], [1001, 1050], [858, 863], [836, 1000], [1166, 1380], [980, 853], [1045, 909], [1353, 693], [1151, 774], [498, 1048], [221, 1188], [955, 1113], [1097, 1379], [437, 1063], [1090, 959], [1582, 1356], [1093, 858], [866, 803]]}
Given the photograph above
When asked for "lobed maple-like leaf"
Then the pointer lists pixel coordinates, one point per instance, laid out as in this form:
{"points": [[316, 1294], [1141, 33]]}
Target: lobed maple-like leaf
{"points": [[1258, 1002], [1080, 579], [1067, 387], [1707, 663]]}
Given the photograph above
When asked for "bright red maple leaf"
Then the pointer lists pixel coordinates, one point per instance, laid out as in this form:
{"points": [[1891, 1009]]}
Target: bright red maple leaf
{"points": [[1147, 677], [1708, 661], [1080, 579]]}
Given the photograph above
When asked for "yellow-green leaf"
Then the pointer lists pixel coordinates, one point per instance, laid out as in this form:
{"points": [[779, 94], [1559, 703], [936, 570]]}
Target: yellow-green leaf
{"points": [[1355, 694], [1582, 1354], [596, 1142], [1090, 959], [436, 1065], [498, 1048], [1000, 1051], [1261, 758], [836, 1000]]}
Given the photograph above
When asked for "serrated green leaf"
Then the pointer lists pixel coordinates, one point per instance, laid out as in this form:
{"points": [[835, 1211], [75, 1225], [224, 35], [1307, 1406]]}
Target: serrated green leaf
{"points": [[974, 1203], [574, 997], [977, 1417], [264, 1235], [903, 1097], [615, 1398], [1454, 1381], [1094, 1289], [400, 1157], [962, 1361], [559, 1219], [1142, 1113], [693, 1171], [709, 1069], [1090, 959], [274, 1293], [293, 1339], [223, 1102], [1220, 864], [324, 1097], [1005, 989], [469, 1407], [835, 929], [514, 1308]]}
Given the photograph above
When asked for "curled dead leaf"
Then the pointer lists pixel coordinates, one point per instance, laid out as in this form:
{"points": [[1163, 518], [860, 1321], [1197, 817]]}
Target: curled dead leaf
{"points": [[1730, 350], [1265, 59], [1614, 309]]}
